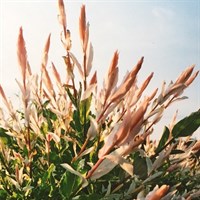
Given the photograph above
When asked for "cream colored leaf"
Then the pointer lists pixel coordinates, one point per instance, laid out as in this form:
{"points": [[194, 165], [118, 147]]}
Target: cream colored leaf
{"points": [[105, 167], [87, 93], [86, 38], [75, 61], [119, 160], [87, 151], [89, 59], [54, 137], [92, 131]]}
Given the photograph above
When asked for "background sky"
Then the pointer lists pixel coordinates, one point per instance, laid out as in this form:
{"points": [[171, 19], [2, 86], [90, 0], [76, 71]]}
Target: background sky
{"points": [[166, 33]]}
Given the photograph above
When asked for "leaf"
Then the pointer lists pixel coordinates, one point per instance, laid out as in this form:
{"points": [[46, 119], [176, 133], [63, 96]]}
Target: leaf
{"points": [[131, 187], [177, 151], [149, 165], [93, 129], [163, 155], [3, 194], [74, 59], [104, 168], [85, 109], [6, 139], [163, 139], [140, 166], [48, 174], [71, 96], [88, 92], [187, 126], [150, 178], [87, 151], [69, 184], [53, 136], [119, 160], [89, 59], [108, 189], [71, 170], [76, 123]]}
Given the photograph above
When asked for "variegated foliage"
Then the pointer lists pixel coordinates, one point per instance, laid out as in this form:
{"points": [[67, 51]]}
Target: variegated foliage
{"points": [[73, 139]]}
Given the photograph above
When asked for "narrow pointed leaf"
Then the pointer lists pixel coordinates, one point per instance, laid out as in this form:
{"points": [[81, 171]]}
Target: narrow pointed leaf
{"points": [[163, 139], [187, 126]]}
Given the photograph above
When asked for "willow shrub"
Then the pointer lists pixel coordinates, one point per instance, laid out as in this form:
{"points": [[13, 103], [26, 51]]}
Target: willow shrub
{"points": [[74, 140]]}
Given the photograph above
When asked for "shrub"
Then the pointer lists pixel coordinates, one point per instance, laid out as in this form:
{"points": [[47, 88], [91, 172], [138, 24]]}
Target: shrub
{"points": [[73, 140]]}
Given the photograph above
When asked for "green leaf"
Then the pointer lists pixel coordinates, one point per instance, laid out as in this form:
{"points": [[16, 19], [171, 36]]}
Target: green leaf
{"points": [[149, 165], [6, 139], [3, 194], [45, 104], [177, 151], [71, 96], [47, 175], [140, 166], [76, 124], [187, 126], [69, 184], [47, 113], [85, 109], [47, 182], [163, 139]]}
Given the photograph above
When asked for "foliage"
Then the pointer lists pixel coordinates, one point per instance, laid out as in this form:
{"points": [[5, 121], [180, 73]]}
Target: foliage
{"points": [[72, 140]]}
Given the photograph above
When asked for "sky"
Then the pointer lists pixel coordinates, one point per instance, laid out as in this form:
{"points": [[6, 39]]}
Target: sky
{"points": [[166, 33]]}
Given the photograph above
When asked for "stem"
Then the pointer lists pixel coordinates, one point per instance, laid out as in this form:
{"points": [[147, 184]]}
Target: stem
{"points": [[48, 152], [81, 151], [170, 101], [70, 67], [29, 149], [85, 87], [104, 110], [94, 167], [73, 84], [85, 75], [84, 120]]}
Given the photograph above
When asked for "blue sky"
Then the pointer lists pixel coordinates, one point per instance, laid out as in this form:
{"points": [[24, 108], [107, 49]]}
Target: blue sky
{"points": [[166, 33]]}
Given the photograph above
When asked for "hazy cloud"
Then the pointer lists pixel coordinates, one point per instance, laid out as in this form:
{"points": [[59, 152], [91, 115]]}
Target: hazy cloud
{"points": [[163, 13]]}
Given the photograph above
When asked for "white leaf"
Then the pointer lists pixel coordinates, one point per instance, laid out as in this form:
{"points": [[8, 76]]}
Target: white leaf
{"points": [[90, 59], [163, 155], [86, 94], [21, 175], [124, 164], [87, 151], [111, 161], [92, 131], [54, 137], [15, 183], [76, 63], [105, 167]]}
